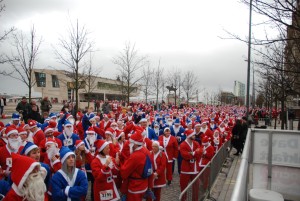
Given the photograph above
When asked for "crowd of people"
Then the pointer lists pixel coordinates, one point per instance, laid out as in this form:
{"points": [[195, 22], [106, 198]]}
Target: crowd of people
{"points": [[123, 153]]}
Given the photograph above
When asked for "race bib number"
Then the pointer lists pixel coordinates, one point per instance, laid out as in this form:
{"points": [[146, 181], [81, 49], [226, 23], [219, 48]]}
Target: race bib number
{"points": [[9, 162], [68, 142], [106, 195]]}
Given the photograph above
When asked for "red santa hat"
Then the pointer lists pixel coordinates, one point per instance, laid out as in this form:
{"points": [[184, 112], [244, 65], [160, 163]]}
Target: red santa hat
{"points": [[197, 124], [100, 145], [205, 121], [2, 128], [21, 131], [90, 130], [159, 144], [32, 123], [79, 114], [189, 133], [48, 129], [205, 140], [78, 143], [137, 138], [52, 124], [50, 141], [11, 130], [68, 116], [22, 166], [110, 131]]}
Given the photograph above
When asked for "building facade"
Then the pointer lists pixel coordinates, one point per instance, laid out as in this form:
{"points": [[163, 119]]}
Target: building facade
{"points": [[58, 86]]}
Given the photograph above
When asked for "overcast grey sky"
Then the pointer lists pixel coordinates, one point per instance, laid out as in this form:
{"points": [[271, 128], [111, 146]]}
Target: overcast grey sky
{"points": [[183, 34]]}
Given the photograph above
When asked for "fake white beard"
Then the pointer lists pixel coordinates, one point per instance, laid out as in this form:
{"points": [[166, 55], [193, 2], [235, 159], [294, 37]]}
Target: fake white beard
{"points": [[131, 148], [68, 131], [29, 138], [91, 139], [15, 143], [203, 130], [34, 187], [52, 151], [156, 130], [170, 123]]}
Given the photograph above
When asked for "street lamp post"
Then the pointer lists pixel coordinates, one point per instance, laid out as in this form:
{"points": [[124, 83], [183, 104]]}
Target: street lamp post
{"points": [[249, 61]]}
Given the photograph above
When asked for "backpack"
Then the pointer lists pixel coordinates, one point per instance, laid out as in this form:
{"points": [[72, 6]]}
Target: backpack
{"points": [[148, 170]]}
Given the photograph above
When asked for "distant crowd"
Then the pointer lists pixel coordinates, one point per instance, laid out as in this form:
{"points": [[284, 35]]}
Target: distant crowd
{"points": [[123, 153]]}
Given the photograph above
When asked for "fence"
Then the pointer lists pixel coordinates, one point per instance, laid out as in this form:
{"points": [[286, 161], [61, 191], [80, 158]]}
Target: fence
{"points": [[200, 187], [270, 160]]}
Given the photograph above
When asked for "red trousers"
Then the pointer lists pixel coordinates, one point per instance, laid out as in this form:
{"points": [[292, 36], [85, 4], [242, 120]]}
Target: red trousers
{"points": [[169, 172], [134, 197], [184, 181]]}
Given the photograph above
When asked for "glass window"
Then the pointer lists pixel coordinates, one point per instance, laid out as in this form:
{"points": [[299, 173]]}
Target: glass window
{"points": [[55, 82], [40, 79]]}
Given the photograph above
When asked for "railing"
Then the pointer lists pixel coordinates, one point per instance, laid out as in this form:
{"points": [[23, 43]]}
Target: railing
{"points": [[270, 161], [200, 187]]}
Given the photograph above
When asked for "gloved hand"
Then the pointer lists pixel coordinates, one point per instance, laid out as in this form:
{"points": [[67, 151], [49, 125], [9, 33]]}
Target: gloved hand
{"points": [[150, 194]]}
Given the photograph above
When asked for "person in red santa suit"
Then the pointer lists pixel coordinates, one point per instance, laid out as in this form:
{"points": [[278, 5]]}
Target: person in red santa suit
{"points": [[170, 145], [78, 125], [110, 137], [217, 141], [191, 153], [132, 170], [12, 146], [3, 138], [28, 183], [37, 134], [51, 157], [205, 131], [83, 155], [208, 152], [159, 170], [103, 168], [105, 122], [49, 134]]}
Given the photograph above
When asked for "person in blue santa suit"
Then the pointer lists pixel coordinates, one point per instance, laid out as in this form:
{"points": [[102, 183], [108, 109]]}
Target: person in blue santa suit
{"points": [[68, 138], [69, 183]]}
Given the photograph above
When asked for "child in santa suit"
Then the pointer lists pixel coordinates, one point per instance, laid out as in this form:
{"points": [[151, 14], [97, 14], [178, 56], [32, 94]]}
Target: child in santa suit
{"points": [[103, 167]]}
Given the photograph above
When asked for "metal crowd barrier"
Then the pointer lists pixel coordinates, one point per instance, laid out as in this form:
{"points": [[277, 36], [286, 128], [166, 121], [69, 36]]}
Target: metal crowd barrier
{"points": [[200, 187]]}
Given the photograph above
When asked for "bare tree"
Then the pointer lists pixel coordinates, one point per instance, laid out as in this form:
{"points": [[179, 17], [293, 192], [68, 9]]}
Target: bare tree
{"points": [[190, 85], [157, 82], [72, 50], [4, 35], [90, 75], [147, 80], [129, 63], [22, 62]]}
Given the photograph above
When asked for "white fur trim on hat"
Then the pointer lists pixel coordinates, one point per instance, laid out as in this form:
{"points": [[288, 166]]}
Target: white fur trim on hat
{"points": [[11, 132], [30, 148], [103, 146], [27, 173], [136, 142], [62, 160], [79, 144], [48, 129]]}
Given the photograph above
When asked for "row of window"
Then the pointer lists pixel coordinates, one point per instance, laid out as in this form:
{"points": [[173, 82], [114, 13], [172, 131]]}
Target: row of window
{"points": [[41, 82]]}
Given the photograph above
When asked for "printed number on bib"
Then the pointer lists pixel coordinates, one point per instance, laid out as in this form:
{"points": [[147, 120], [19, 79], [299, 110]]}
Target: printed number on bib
{"points": [[106, 195]]}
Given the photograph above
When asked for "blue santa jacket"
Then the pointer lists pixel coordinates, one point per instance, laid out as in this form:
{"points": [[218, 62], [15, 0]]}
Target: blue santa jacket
{"points": [[75, 192], [74, 137], [47, 179], [179, 134], [151, 134]]}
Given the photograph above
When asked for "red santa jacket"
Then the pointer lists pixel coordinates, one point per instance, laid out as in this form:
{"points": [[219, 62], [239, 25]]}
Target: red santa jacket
{"points": [[38, 136], [208, 154], [209, 133], [4, 156], [103, 178], [170, 146], [160, 162], [12, 195], [190, 157], [104, 124], [132, 171]]}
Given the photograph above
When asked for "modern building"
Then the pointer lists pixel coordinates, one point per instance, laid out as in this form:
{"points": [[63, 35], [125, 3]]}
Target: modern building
{"points": [[58, 86], [239, 89]]}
